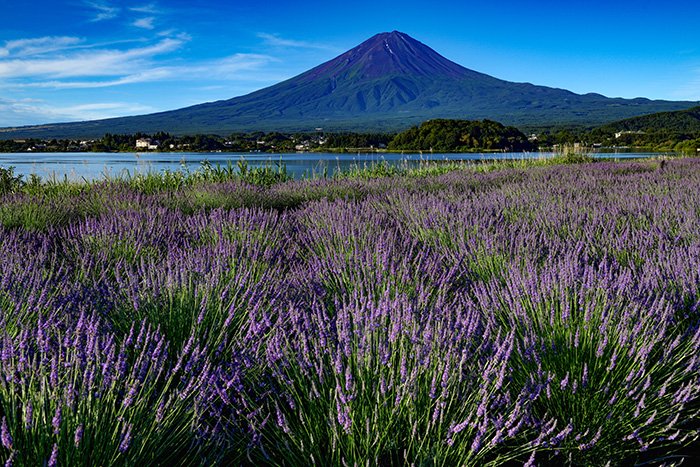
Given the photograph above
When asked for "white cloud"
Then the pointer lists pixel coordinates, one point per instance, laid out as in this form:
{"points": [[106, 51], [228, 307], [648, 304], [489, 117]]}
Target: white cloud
{"points": [[277, 41], [227, 68], [151, 8], [155, 74], [101, 62], [29, 111], [36, 67], [145, 23], [104, 11], [38, 45]]}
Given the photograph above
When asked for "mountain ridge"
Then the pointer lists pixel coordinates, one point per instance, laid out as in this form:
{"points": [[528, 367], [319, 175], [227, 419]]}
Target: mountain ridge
{"points": [[389, 82], [681, 121]]}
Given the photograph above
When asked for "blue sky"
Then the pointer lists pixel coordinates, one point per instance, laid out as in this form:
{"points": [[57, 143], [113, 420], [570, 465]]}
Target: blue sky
{"points": [[88, 59]]}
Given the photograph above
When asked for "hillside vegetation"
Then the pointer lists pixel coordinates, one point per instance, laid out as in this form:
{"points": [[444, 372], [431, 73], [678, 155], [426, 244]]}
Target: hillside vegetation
{"points": [[681, 121], [461, 135]]}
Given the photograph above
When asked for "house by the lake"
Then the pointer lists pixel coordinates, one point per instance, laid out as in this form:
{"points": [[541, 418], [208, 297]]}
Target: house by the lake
{"points": [[147, 143]]}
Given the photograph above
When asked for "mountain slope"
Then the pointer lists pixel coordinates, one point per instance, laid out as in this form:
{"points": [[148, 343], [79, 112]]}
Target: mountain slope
{"points": [[389, 82], [681, 121]]}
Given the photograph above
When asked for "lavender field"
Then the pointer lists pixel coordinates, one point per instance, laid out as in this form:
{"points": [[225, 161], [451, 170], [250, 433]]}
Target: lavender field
{"points": [[535, 315]]}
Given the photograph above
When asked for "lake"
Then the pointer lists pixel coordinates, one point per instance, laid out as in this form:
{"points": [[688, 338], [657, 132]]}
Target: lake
{"points": [[96, 165]]}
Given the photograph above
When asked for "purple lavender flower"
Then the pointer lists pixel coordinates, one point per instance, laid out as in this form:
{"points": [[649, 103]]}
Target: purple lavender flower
{"points": [[344, 418], [78, 435], [125, 442], [5, 435], [477, 442], [564, 382], [281, 420], [28, 415], [53, 460], [531, 460], [592, 442], [160, 412], [56, 421]]}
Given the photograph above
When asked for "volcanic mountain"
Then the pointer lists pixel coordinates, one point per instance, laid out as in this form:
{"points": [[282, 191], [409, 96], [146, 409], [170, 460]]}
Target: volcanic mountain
{"points": [[389, 82]]}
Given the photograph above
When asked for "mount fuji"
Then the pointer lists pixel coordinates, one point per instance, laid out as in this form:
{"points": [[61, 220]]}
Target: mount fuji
{"points": [[389, 82]]}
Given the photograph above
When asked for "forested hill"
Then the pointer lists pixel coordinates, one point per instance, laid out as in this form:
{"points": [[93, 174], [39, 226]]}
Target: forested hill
{"points": [[681, 121], [461, 135]]}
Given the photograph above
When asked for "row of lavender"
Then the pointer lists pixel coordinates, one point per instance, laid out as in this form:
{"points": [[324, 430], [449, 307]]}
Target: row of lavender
{"points": [[548, 314]]}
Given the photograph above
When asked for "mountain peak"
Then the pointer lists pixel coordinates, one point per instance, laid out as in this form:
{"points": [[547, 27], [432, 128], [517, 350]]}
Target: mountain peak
{"points": [[389, 54], [393, 35]]}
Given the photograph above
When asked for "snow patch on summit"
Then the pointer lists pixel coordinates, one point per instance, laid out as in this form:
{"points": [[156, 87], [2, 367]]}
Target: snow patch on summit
{"points": [[388, 47]]}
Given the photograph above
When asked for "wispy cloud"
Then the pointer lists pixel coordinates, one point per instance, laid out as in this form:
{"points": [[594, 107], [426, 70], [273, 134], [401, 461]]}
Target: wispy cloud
{"points": [[277, 41], [39, 45], [62, 74], [28, 111], [145, 23], [99, 62], [174, 33], [150, 8], [103, 10], [228, 67], [156, 74]]}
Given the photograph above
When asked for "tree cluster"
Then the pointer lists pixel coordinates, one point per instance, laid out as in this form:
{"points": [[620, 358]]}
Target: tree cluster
{"points": [[461, 135]]}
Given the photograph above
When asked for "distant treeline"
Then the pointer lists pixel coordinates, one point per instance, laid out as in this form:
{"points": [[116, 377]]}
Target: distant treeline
{"points": [[438, 135], [667, 131], [237, 142]]}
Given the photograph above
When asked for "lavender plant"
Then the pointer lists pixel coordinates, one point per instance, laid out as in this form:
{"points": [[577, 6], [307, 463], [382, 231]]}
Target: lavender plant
{"points": [[479, 316], [76, 396]]}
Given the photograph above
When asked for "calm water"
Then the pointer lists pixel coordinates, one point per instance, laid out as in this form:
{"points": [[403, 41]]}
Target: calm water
{"points": [[91, 166]]}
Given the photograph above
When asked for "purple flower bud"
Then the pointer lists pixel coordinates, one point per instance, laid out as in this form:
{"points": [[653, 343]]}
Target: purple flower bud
{"points": [[531, 461], [129, 399], [459, 427], [56, 421], [601, 346], [78, 435], [53, 460], [282, 421], [476, 443], [160, 412], [126, 440], [53, 377], [556, 440], [592, 442], [565, 381], [344, 418], [5, 435], [28, 415]]}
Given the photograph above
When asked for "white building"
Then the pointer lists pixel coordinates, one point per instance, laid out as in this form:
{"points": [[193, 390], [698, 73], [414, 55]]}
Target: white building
{"points": [[147, 143], [619, 134]]}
